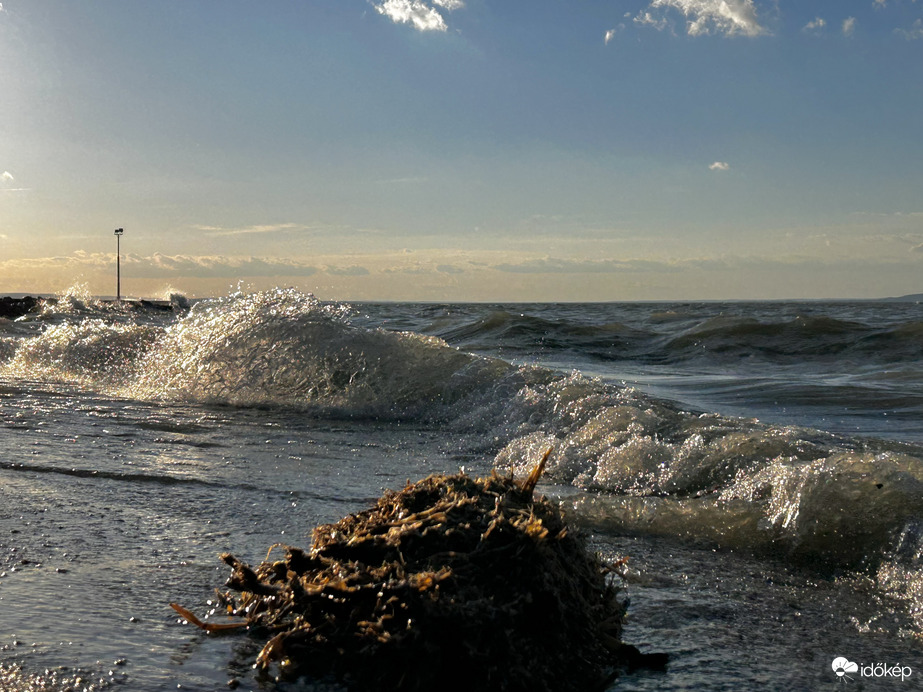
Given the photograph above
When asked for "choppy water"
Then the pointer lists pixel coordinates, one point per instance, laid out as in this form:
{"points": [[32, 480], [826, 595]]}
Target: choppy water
{"points": [[760, 463]]}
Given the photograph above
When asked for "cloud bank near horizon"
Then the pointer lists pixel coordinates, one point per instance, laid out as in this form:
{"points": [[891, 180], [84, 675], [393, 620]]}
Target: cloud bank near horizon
{"points": [[785, 268], [160, 266]]}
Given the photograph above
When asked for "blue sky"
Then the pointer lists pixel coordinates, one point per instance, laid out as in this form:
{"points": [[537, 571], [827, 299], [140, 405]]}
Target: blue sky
{"points": [[476, 150]]}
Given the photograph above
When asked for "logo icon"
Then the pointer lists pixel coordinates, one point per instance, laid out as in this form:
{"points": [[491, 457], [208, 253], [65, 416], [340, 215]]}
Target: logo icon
{"points": [[842, 666]]}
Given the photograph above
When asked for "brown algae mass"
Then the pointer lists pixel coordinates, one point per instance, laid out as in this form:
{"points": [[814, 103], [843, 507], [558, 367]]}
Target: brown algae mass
{"points": [[451, 583]]}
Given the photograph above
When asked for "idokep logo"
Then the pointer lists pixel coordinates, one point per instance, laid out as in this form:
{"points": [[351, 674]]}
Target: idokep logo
{"points": [[842, 666], [846, 670]]}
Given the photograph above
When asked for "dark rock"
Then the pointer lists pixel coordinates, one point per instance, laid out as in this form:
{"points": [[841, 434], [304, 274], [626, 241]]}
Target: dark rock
{"points": [[12, 308]]}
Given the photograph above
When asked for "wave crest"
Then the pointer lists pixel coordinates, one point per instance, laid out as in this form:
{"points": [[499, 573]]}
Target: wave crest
{"points": [[285, 348]]}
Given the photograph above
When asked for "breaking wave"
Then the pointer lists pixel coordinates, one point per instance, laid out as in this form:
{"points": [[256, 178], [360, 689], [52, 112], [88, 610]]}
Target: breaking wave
{"points": [[276, 348], [283, 348]]}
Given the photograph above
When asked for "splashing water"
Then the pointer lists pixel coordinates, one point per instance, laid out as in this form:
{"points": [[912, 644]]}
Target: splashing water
{"points": [[284, 348], [76, 294]]}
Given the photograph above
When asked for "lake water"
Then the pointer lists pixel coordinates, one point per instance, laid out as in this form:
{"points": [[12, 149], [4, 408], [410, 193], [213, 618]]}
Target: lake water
{"points": [[759, 463]]}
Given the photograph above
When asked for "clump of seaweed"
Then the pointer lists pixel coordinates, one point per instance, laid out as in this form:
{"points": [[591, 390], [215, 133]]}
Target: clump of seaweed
{"points": [[452, 583]]}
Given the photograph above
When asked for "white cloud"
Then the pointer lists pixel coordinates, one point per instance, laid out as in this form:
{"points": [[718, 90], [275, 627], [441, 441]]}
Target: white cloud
{"points": [[729, 17], [6, 176], [720, 166], [816, 25], [849, 26], [423, 16], [914, 32], [609, 35]]}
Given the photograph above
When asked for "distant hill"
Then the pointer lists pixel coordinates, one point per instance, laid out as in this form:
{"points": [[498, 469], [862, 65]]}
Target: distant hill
{"points": [[912, 298]]}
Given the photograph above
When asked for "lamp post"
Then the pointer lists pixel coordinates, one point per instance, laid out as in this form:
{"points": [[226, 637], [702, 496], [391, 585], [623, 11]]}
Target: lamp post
{"points": [[118, 264]]}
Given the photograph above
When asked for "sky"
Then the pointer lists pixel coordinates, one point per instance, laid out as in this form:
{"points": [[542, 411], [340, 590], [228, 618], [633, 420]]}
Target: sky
{"points": [[463, 150]]}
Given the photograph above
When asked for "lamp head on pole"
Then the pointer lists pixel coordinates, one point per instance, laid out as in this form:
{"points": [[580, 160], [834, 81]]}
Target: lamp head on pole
{"points": [[118, 265]]}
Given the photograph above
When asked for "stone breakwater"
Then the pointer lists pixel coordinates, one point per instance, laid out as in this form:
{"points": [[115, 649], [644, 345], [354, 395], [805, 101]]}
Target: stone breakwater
{"points": [[12, 308]]}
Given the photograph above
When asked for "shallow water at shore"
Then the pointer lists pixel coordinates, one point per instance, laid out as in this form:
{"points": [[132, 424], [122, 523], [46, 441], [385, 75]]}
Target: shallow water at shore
{"points": [[112, 527]]}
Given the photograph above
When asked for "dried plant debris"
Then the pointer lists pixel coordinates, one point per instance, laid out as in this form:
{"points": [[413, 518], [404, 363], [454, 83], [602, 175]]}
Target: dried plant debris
{"points": [[452, 583]]}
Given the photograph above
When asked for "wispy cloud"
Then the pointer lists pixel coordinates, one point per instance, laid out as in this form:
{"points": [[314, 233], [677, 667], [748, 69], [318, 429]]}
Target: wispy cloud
{"points": [[162, 266], [720, 166], [423, 16], [220, 231], [413, 268], [449, 269], [353, 270], [554, 265], [721, 263], [215, 266], [875, 216], [914, 33], [881, 4], [6, 177], [658, 22], [849, 26], [728, 17], [610, 34], [815, 26], [409, 180]]}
